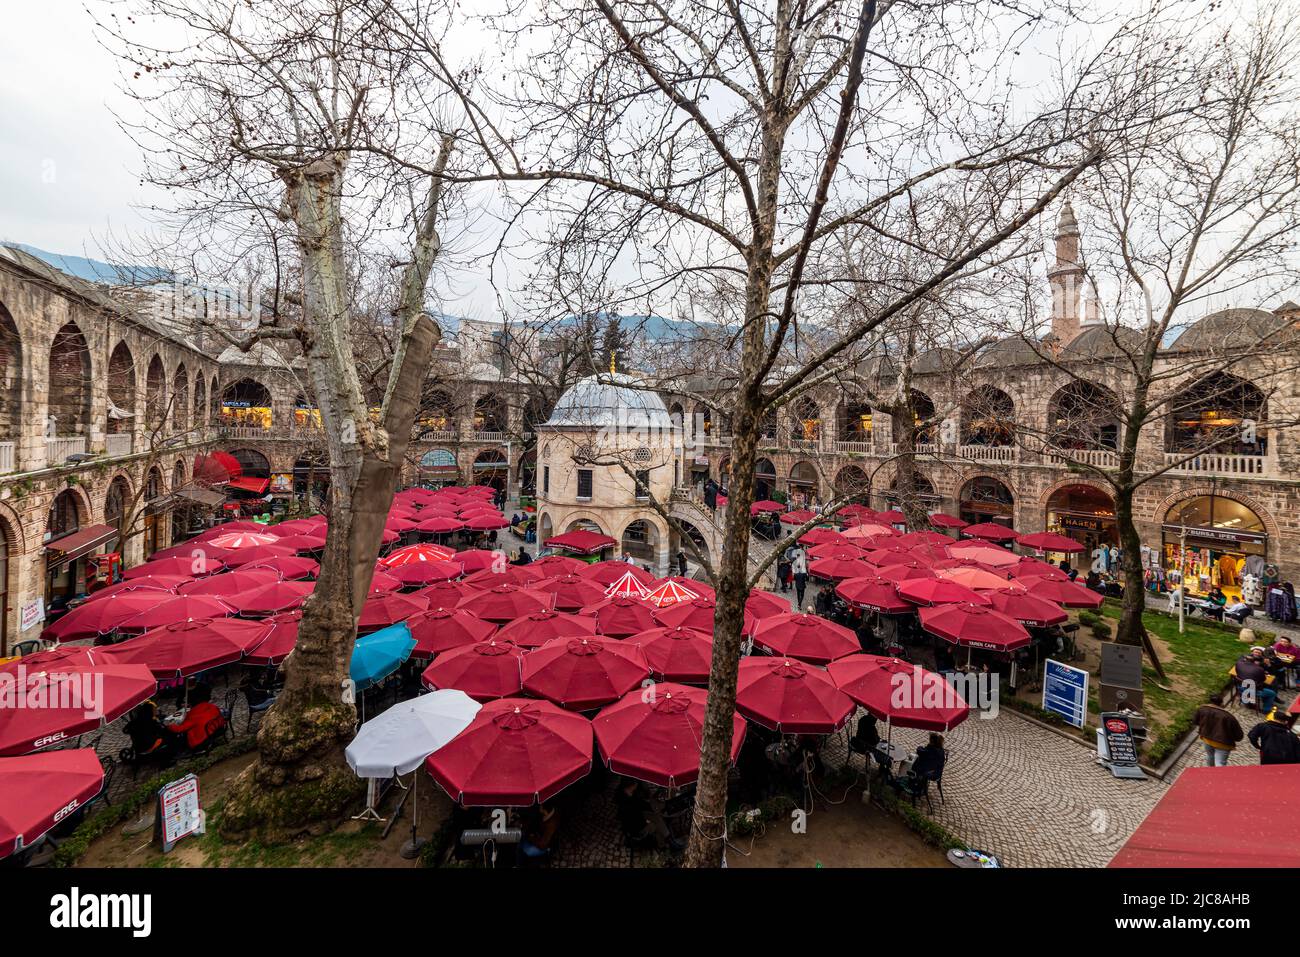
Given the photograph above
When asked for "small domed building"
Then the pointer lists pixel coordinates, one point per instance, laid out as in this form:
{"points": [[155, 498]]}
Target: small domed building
{"points": [[608, 442]]}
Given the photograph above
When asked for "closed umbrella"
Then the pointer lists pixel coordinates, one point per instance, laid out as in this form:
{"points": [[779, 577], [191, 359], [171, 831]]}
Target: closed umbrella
{"points": [[790, 696], [231, 583], [874, 594], [938, 591], [289, 567], [809, 638], [73, 697], [974, 626], [654, 735], [677, 654], [40, 790], [515, 752], [539, 627], [571, 591], [379, 654], [443, 629], [619, 617], [584, 673], [505, 603], [485, 670], [187, 647], [178, 608], [900, 693]]}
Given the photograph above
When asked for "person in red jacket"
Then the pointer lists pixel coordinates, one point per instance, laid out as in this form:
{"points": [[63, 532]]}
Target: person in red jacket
{"points": [[201, 721]]}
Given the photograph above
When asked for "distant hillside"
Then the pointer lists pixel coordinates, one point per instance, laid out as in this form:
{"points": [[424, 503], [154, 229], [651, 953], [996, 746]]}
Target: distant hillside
{"points": [[92, 270]]}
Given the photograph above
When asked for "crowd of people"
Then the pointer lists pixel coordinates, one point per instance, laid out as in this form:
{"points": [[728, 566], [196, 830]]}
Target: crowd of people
{"points": [[1258, 677]]}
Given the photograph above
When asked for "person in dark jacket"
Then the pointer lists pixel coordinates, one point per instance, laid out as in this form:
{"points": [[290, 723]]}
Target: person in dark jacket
{"points": [[1275, 741], [1253, 679], [681, 563], [1219, 732], [930, 759]]}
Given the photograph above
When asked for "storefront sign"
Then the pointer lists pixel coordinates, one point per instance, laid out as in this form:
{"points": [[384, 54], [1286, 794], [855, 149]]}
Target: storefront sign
{"points": [[1065, 691], [1201, 533], [32, 614], [1085, 524]]}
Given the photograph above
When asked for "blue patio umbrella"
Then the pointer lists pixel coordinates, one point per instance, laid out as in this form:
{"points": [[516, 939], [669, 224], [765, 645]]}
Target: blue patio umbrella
{"points": [[379, 654]]}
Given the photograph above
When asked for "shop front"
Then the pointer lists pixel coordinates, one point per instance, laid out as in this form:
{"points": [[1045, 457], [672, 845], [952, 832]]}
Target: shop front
{"points": [[985, 499], [1084, 513], [1215, 542]]}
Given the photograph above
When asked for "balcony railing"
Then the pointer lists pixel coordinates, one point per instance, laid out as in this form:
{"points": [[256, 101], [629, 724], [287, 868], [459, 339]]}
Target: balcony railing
{"points": [[922, 448], [1097, 458], [479, 435], [1217, 463], [439, 435], [59, 448], [987, 453], [856, 446], [6, 457], [118, 443]]}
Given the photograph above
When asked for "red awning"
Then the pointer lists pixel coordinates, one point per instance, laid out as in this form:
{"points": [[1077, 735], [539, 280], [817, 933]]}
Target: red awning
{"points": [[250, 483], [1220, 817], [216, 467], [581, 540], [81, 542]]}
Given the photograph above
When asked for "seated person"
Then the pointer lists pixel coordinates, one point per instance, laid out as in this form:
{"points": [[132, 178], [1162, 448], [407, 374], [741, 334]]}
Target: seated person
{"points": [[539, 835], [640, 827], [146, 732], [1217, 596], [930, 759], [1093, 583], [200, 723], [865, 736], [1253, 677], [1286, 648], [1237, 610]]}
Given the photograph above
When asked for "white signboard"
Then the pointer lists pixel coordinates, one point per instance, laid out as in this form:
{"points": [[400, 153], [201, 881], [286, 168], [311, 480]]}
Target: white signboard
{"points": [[32, 614], [179, 813]]}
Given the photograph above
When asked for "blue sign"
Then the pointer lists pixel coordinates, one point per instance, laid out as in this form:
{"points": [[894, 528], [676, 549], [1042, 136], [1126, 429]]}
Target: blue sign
{"points": [[1065, 692]]}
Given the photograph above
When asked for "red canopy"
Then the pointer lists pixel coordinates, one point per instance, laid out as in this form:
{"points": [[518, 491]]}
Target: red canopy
{"points": [[938, 591], [766, 505], [572, 591], [875, 594], [901, 693], [271, 599], [836, 569], [177, 608], [103, 615], [289, 567], [424, 552], [892, 517], [505, 603], [536, 629], [669, 592], [582, 541], [655, 737], [1034, 568], [40, 790], [304, 542], [984, 553], [620, 616], [425, 573], [677, 654], [906, 571], [231, 583], [471, 559], [698, 613], [1050, 542], [1220, 817], [806, 637], [798, 517], [514, 753], [764, 604], [557, 565], [243, 538], [384, 610], [990, 531], [444, 629], [188, 647], [257, 554], [627, 585], [216, 467], [1065, 593], [484, 670], [610, 571], [1027, 609], [447, 594], [940, 520], [974, 626], [279, 641], [154, 583], [822, 536], [250, 483], [485, 521], [789, 696], [439, 525], [584, 673], [486, 578], [76, 696], [195, 566]]}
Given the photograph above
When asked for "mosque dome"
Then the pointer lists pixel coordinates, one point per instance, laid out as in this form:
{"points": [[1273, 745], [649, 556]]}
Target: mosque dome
{"points": [[610, 400]]}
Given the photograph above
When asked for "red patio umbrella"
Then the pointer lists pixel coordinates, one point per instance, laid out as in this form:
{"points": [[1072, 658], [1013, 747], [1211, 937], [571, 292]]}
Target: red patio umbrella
{"points": [[157, 583], [822, 536], [187, 550], [471, 559], [103, 616], [766, 505], [581, 541], [244, 538], [764, 604], [656, 737], [75, 697], [940, 520], [990, 531], [1050, 542], [439, 525], [1034, 568], [420, 552], [874, 594], [974, 626], [789, 696], [382, 583], [302, 543], [442, 629], [834, 569], [188, 647], [990, 555], [572, 591], [289, 567], [938, 591], [837, 550], [618, 617], [536, 629], [627, 586], [279, 641], [384, 610], [556, 565], [932, 540], [424, 573], [891, 517], [196, 566], [231, 583], [514, 753], [868, 530], [1066, 593], [809, 638], [229, 528], [484, 670], [701, 589], [40, 790], [584, 673], [271, 599], [1025, 608], [698, 613], [677, 654], [798, 517], [447, 594], [505, 603], [905, 572], [178, 608], [509, 575], [255, 554], [900, 693], [608, 572], [483, 522], [298, 526], [51, 658], [892, 554], [669, 592], [980, 579]]}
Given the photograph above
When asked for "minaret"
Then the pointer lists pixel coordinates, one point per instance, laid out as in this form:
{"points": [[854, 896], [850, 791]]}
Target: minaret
{"points": [[1067, 279]]}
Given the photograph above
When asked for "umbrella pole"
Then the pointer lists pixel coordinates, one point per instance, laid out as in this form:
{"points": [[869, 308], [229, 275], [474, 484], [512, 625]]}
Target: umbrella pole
{"points": [[411, 849]]}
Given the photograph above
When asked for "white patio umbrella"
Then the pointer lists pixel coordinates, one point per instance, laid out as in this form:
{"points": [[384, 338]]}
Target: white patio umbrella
{"points": [[397, 741]]}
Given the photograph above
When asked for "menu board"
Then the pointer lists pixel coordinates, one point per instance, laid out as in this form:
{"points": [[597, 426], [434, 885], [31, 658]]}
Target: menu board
{"points": [[179, 813]]}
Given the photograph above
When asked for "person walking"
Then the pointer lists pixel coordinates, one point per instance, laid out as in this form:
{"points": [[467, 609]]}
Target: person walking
{"points": [[799, 568], [1219, 732], [1275, 741], [783, 568]]}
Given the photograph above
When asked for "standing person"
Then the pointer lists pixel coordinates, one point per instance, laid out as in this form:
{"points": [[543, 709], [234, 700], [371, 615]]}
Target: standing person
{"points": [[783, 570], [1219, 732], [799, 568], [681, 562], [711, 494], [1275, 741]]}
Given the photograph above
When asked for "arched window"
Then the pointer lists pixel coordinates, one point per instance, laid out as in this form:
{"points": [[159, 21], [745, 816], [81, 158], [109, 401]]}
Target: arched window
{"points": [[805, 420], [252, 463], [852, 480], [247, 404], [988, 418], [804, 483], [69, 382], [641, 541], [1221, 413], [181, 399], [115, 504], [491, 468], [855, 422], [200, 403], [121, 390], [764, 479], [64, 516], [1082, 416], [155, 393], [985, 499], [924, 428], [489, 414], [11, 365]]}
